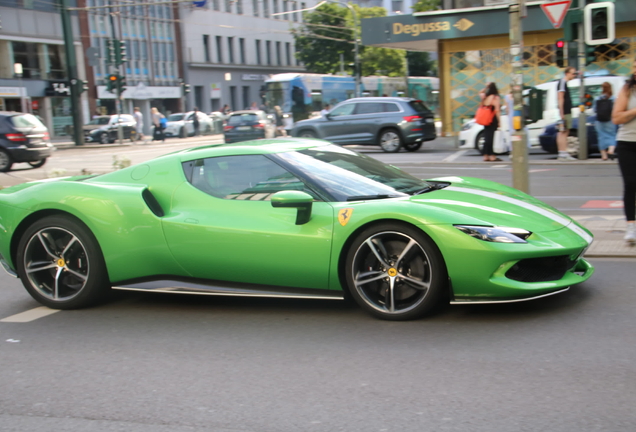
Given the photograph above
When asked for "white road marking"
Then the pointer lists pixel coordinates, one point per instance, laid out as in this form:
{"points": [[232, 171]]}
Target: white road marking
{"points": [[30, 315], [454, 156]]}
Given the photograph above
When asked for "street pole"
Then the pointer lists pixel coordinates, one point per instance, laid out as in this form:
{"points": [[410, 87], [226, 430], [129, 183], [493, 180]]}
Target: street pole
{"points": [[355, 45], [582, 132], [71, 62], [117, 68], [518, 136]]}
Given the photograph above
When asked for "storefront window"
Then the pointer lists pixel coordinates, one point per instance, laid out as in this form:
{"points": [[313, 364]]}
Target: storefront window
{"points": [[62, 116]]}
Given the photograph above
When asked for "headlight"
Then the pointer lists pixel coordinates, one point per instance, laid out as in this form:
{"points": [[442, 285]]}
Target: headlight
{"points": [[495, 234], [468, 125]]}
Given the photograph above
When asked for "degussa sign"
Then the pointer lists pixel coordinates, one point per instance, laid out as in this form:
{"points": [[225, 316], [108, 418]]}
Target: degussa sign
{"points": [[440, 26]]}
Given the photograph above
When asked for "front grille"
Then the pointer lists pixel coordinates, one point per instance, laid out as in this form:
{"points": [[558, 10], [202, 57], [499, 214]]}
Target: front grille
{"points": [[540, 269]]}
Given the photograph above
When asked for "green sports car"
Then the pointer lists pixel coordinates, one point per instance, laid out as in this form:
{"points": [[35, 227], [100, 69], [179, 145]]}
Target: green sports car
{"points": [[287, 218]]}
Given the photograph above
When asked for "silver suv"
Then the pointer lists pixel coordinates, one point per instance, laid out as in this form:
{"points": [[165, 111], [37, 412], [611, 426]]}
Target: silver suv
{"points": [[390, 122]]}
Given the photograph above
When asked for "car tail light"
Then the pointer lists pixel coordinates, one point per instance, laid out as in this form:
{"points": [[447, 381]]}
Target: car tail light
{"points": [[411, 119], [227, 127], [47, 136], [16, 137], [259, 125]]}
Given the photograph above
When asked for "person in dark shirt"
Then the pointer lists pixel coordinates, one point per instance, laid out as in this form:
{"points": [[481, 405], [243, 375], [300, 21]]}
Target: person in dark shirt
{"points": [[565, 110]]}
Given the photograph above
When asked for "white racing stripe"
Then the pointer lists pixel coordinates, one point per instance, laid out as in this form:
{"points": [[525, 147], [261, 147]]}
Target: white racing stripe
{"points": [[555, 217], [30, 315]]}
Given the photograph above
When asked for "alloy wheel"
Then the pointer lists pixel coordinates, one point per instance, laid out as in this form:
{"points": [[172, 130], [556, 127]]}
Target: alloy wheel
{"points": [[390, 141]]}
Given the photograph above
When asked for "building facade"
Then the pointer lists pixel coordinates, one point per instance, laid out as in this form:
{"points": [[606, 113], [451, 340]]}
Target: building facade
{"points": [[232, 46], [33, 75]]}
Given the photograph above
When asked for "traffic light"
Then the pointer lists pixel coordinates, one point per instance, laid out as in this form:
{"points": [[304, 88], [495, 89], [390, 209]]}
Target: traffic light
{"points": [[121, 84], [588, 100], [559, 56], [599, 23], [82, 86], [111, 83], [110, 52], [186, 88], [121, 54], [590, 54]]}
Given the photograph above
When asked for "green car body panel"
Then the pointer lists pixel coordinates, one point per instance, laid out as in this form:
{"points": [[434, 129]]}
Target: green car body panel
{"points": [[204, 237]]}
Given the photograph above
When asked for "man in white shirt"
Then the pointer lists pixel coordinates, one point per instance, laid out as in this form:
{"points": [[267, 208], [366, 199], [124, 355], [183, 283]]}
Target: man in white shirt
{"points": [[325, 110], [139, 119]]}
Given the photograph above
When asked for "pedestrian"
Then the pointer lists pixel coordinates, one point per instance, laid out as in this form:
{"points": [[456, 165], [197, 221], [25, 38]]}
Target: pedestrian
{"points": [[195, 121], [624, 114], [564, 101], [157, 121], [98, 112], [490, 100], [325, 110], [139, 120], [226, 109], [280, 128], [605, 129], [254, 106]]}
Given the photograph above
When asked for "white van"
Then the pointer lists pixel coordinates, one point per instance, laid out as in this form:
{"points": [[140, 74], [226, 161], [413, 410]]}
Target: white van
{"points": [[471, 135]]}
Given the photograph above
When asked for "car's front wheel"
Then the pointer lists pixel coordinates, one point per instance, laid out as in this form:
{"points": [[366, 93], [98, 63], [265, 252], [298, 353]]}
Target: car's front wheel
{"points": [[390, 141], [307, 134], [395, 272], [103, 138], [6, 162], [38, 164], [60, 263], [479, 142]]}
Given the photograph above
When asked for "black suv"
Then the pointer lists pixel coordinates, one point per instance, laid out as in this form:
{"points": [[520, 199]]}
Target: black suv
{"points": [[390, 122], [23, 138]]}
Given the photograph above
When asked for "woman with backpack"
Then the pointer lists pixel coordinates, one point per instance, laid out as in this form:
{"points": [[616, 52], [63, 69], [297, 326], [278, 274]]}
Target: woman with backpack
{"points": [[489, 116], [605, 129], [158, 121]]}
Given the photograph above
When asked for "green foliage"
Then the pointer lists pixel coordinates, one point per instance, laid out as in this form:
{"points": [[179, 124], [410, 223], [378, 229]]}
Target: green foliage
{"points": [[425, 5], [382, 61], [420, 64]]}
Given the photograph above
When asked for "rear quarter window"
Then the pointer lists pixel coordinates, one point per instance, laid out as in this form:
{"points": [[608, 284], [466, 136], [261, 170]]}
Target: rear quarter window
{"points": [[419, 107], [26, 121], [391, 107]]}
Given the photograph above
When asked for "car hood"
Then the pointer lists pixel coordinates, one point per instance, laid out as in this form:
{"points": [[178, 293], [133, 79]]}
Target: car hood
{"points": [[489, 203]]}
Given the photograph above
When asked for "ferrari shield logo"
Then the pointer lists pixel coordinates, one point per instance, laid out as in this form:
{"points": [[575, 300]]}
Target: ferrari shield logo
{"points": [[344, 215]]}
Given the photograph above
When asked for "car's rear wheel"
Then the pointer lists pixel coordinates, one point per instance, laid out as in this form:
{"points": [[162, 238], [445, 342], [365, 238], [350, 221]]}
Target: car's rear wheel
{"points": [[60, 263], [395, 272], [38, 164], [103, 138], [390, 141], [307, 134], [413, 146], [479, 142], [6, 161]]}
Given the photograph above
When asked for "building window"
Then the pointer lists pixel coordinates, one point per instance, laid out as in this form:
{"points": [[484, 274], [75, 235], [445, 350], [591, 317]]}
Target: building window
{"points": [[230, 49], [228, 6], [26, 53], [246, 97], [268, 52], [242, 50], [239, 7], [233, 97], [206, 48], [255, 7], [275, 4], [303, 5], [215, 5], [288, 53], [258, 52], [295, 14], [278, 59], [56, 62], [266, 8], [286, 16], [219, 49]]}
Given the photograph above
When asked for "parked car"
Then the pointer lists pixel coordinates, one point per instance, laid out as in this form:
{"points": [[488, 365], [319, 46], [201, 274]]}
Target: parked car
{"points": [[287, 217], [23, 138], [248, 125], [471, 135], [105, 129], [548, 137], [181, 124], [390, 122]]}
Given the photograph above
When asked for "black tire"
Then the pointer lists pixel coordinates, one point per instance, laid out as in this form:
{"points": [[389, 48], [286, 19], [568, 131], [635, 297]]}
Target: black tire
{"points": [[38, 164], [398, 254], [61, 264], [307, 134], [103, 138], [390, 140], [479, 142], [413, 146], [6, 161]]}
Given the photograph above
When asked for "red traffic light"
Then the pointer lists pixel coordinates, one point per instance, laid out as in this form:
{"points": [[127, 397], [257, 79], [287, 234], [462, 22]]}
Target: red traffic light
{"points": [[112, 77], [560, 44]]}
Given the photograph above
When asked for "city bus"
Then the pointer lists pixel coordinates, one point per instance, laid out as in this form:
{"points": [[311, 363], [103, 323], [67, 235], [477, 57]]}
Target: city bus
{"points": [[304, 95]]}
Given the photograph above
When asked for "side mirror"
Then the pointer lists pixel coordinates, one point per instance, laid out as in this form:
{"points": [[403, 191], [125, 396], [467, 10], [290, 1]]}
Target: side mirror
{"points": [[295, 199]]}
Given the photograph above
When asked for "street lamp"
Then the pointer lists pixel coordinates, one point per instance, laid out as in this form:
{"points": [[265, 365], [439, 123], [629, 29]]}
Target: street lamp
{"points": [[356, 58]]}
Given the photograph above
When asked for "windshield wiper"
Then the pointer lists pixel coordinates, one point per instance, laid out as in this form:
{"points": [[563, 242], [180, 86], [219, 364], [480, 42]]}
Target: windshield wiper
{"points": [[431, 187], [370, 197]]}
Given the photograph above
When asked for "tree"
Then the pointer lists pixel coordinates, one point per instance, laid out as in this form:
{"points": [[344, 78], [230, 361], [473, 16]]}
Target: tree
{"points": [[328, 32], [420, 63], [426, 5]]}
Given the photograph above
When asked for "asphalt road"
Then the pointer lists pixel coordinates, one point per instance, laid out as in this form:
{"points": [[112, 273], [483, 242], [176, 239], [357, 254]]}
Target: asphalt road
{"points": [[148, 362]]}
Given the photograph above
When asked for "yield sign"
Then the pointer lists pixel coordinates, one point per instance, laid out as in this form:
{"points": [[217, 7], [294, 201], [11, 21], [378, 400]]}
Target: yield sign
{"points": [[555, 11]]}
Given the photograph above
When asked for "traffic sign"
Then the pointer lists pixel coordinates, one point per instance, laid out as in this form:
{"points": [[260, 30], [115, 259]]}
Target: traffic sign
{"points": [[556, 11]]}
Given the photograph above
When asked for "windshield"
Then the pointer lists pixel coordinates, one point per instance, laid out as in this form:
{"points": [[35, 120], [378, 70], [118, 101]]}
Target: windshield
{"points": [[99, 121], [345, 174], [27, 121], [175, 117]]}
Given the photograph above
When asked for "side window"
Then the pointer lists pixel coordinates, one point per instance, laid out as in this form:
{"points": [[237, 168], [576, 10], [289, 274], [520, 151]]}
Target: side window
{"points": [[391, 107], [249, 177], [346, 109], [368, 108]]}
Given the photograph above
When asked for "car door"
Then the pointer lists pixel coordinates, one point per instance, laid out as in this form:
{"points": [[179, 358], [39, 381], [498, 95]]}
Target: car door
{"points": [[222, 225], [335, 126], [364, 126]]}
